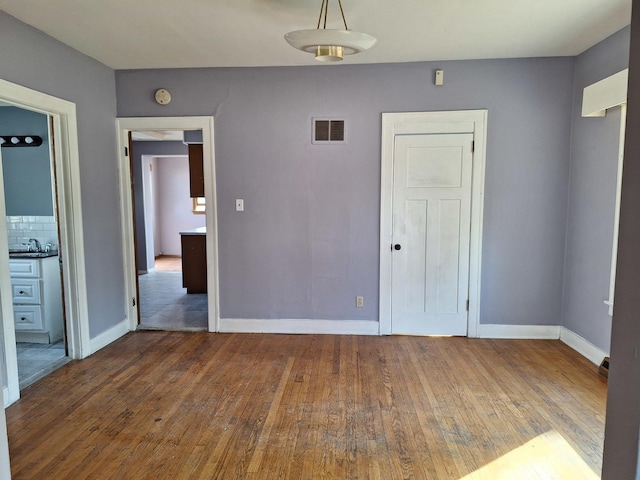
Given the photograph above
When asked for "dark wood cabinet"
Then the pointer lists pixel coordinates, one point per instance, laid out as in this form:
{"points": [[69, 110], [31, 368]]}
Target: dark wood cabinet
{"points": [[196, 170], [194, 263]]}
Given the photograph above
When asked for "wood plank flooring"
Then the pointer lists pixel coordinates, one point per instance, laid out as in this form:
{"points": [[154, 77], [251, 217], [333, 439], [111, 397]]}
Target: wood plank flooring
{"points": [[168, 263], [175, 405]]}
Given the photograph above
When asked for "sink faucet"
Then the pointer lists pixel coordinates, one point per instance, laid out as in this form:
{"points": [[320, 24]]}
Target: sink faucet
{"points": [[34, 245]]}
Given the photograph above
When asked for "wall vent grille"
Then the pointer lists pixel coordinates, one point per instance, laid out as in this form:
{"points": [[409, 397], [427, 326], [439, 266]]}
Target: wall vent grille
{"points": [[328, 131]]}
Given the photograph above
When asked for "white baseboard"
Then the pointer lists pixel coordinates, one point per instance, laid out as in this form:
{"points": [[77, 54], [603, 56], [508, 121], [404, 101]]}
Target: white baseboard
{"points": [[5, 397], [582, 346], [111, 335], [8, 400], [538, 332], [368, 327], [544, 332], [333, 327]]}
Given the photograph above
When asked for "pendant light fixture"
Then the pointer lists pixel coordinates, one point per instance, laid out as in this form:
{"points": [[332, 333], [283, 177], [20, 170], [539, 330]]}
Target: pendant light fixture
{"points": [[329, 45]]}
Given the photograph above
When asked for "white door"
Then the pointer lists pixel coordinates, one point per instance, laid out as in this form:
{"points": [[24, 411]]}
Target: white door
{"points": [[432, 176], [149, 212]]}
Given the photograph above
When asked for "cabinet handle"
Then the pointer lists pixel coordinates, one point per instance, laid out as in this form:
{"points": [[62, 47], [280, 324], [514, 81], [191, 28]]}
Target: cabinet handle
{"points": [[24, 319], [21, 292]]}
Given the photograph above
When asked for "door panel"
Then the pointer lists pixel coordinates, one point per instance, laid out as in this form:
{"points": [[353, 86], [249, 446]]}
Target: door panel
{"points": [[416, 242], [431, 225]]}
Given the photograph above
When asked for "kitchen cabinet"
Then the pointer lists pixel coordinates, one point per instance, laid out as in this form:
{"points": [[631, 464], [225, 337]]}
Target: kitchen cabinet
{"points": [[37, 299], [194, 260], [196, 170]]}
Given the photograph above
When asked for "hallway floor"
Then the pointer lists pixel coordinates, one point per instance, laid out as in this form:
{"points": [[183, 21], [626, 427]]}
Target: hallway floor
{"points": [[165, 305]]}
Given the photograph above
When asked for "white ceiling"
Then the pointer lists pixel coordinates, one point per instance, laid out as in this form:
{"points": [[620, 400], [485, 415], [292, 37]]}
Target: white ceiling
{"points": [[213, 33]]}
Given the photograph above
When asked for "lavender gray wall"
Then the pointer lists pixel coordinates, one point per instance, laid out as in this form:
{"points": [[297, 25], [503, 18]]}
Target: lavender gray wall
{"points": [[307, 243], [140, 149], [594, 163], [175, 206], [30, 58], [620, 459], [26, 170]]}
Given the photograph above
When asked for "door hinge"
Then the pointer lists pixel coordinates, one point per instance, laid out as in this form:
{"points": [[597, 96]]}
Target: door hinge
{"points": [[126, 152], [133, 302], [473, 146], [467, 305]]}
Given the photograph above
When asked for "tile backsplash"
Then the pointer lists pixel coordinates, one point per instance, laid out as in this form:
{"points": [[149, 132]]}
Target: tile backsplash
{"points": [[21, 228]]}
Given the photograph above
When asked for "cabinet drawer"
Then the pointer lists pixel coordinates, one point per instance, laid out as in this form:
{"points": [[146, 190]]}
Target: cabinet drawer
{"points": [[27, 317], [26, 290], [24, 268]]}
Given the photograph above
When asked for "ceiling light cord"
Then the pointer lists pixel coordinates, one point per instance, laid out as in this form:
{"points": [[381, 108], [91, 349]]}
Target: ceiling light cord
{"points": [[344, 19], [324, 12]]}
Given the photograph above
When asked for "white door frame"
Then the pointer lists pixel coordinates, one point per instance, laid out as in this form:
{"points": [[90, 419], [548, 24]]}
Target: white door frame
{"points": [[466, 121], [12, 391], [67, 165], [123, 127]]}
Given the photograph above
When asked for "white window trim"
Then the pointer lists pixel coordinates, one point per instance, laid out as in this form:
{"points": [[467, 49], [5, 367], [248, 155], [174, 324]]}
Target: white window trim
{"points": [[597, 98]]}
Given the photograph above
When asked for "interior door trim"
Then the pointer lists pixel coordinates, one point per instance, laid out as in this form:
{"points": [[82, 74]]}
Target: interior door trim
{"points": [[464, 121], [123, 127], [67, 165]]}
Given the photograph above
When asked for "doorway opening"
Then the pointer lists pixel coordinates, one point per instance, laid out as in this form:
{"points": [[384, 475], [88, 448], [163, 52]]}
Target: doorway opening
{"points": [[136, 251], [167, 215], [29, 177], [61, 116]]}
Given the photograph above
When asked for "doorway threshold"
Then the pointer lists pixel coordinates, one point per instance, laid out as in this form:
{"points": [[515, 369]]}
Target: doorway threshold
{"points": [[36, 361]]}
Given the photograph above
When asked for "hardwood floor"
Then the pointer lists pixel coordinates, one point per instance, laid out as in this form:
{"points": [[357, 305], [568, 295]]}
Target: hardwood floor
{"points": [[175, 405], [168, 263]]}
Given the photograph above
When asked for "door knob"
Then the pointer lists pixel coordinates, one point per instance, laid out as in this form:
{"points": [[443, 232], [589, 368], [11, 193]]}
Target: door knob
{"points": [[397, 246]]}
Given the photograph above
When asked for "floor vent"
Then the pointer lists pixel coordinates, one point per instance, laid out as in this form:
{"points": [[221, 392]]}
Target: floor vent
{"points": [[328, 131], [604, 367]]}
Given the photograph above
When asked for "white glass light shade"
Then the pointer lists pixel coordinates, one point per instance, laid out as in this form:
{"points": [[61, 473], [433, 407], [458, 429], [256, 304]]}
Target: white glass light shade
{"points": [[313, 41]]}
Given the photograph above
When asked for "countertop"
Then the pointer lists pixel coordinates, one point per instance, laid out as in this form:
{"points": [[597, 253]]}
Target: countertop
{"points": [[195, 231], [24, 254]]}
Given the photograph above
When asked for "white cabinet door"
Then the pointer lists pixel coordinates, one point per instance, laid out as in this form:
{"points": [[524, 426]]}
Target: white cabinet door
{"points": [[29, 268], [26, 291], [27, 317]]}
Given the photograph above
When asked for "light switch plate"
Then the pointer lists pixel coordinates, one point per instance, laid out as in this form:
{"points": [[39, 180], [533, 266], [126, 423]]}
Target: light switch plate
{"points": [[239, 204]]}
